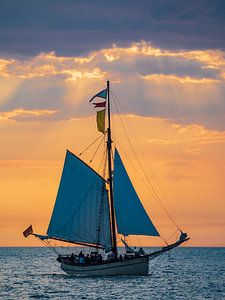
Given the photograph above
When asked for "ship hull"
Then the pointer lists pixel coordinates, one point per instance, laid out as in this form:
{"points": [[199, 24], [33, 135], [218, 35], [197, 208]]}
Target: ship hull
{"points": [[134, 266]]}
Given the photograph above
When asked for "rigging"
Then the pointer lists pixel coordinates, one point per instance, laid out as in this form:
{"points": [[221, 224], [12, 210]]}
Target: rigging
{"points": [[150, 185]]}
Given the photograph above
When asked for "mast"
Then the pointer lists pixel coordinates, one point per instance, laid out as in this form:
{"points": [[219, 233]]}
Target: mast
{"points": [[110, 179]]}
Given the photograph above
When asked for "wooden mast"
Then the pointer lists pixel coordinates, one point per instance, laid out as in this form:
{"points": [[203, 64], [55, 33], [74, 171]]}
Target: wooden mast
{"points": [[110, 179]]}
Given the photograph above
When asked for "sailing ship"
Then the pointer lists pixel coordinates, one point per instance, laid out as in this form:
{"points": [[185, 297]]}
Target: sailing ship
{"points": [[91, 210]]}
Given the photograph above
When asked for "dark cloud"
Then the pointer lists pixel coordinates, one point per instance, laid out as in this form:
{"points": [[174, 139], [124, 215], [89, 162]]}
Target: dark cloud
{"points": [[75, 27]]}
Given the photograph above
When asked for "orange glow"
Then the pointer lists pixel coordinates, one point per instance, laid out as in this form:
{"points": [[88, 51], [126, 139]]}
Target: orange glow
{"points": [[23, 112], [187, 162], [45, 109]]}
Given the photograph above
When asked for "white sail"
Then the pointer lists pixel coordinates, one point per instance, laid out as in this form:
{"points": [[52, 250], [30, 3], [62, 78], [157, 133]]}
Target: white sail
{"points": [[81, 212], [131, 216]]}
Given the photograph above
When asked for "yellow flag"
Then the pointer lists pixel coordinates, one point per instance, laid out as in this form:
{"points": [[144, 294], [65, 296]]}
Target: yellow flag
{"points": [[101, 120]]}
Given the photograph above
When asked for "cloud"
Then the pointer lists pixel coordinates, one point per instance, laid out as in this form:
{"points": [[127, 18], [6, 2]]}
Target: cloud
{"points": [[25, 115], [191, 134], [3, 66], [78, 27], [180, 79], [139, 58], [184, 86]]}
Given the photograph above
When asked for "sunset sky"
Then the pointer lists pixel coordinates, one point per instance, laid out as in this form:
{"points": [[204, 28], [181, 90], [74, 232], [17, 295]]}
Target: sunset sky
{"points": [[166, 64]]}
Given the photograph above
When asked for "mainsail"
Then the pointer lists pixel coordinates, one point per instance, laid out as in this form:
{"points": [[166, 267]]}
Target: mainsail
{"points": [[131, 216], [81, 212]]}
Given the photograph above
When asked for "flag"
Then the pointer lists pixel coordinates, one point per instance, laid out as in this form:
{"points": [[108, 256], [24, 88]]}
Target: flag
{"points": [[102, 94], [28, 231], [100, 104], [101, 120], [100, 107]]}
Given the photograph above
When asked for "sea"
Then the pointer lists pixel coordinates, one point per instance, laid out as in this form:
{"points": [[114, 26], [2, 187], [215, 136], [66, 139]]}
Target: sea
{"points": [[185, 273]]}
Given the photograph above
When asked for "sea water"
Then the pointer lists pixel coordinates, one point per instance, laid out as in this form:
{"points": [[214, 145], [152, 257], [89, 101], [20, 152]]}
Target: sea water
{"points": [[185, 273]]}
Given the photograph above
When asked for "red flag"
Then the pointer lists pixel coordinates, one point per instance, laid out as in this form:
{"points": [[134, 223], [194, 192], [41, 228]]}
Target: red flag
{"points": [[100, 104], [28, 231]]}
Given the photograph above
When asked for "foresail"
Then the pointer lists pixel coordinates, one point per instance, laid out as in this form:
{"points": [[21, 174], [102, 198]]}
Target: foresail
{"points": [[131, 216], [81, 212]]}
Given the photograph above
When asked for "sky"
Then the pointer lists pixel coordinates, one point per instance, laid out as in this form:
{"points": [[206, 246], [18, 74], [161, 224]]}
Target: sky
{"points": [[166, 64]]}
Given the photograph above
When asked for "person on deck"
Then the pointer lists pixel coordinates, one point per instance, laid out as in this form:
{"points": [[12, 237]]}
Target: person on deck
{"points": [[141, 252], [93, 257], [88, 259], [99, 258], [81, 260], [113, 256], [73, 258], [183, 236]]}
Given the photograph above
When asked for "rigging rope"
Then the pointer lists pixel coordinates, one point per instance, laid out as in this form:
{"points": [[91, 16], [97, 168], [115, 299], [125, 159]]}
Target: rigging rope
{"points": [[93, 156], [48, 245], [172, 235], [152, 189], [90, 145]]}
